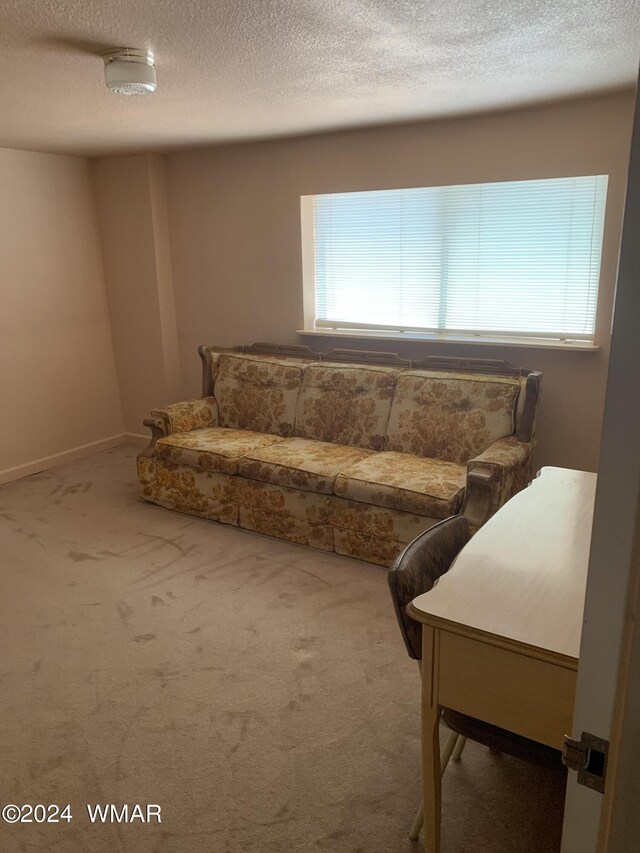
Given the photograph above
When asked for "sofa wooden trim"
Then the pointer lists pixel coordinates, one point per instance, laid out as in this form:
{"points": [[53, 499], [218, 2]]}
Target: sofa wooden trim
{"points": [[158, 427]]}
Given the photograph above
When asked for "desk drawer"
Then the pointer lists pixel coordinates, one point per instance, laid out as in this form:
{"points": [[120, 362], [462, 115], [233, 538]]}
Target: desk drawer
{"points": [[528, 696]]}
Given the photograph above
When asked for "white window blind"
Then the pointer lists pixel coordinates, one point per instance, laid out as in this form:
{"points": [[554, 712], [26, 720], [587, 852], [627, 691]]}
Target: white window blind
{"points": [[513, 259]]}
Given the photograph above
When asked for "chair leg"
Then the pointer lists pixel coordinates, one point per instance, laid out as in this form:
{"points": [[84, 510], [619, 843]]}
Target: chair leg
{"points": [[416, 826], [457, 752], [449, 749]]}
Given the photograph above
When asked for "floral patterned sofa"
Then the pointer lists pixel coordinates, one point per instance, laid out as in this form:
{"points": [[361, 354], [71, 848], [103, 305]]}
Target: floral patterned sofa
{"points": [[352, 452]]}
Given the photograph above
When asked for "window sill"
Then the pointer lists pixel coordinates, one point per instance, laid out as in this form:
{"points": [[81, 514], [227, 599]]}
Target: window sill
{"points": [[430, 337]]}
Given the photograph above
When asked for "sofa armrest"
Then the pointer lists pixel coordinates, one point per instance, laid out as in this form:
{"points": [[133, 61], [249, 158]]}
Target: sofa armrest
{"points": [[181, 417], [495, 476], [189, 415]]}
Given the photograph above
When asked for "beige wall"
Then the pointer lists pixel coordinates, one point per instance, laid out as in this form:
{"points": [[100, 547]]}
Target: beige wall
{"points": [[58, 389], [235, 234], [204, 246], [132, 208]]}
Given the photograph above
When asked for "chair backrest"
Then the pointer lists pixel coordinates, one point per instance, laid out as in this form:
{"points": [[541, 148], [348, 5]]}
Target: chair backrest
{"points": [[417, 569]]}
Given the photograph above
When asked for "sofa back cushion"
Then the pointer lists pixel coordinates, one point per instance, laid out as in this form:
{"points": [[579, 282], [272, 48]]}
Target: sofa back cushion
{"points": [[346, 404], [257, 392], [450, 416]]}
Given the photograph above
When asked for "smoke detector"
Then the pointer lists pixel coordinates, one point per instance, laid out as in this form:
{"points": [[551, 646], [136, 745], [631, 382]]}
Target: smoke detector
{"points": [[130, 71]]}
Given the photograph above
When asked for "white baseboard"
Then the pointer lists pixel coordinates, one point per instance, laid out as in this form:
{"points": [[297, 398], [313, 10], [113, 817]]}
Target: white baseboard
{"points": [[33, 467], [137, 439]]}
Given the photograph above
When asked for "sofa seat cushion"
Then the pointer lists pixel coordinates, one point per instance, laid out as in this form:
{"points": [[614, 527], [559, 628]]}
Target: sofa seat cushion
{"points": [[301, 463], [214, 449], [405, 482]]}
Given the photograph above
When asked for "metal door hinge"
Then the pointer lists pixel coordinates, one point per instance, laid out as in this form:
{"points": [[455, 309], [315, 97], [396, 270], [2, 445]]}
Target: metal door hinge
{"points": [[588, 757]]}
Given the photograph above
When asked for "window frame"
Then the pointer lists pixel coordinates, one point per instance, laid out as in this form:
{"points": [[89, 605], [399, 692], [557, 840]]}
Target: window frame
{"points": [[353, 330]]}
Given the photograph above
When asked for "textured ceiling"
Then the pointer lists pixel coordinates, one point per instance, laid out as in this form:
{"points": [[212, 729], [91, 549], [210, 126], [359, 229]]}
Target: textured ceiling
{"points": [[243, 69]]}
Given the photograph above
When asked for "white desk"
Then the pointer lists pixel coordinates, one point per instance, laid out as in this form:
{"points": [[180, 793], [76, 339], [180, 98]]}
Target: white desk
{"points": [[502, 629]]}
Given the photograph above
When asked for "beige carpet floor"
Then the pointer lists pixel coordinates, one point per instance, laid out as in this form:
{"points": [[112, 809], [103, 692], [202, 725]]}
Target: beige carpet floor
{"points": [[257, 690]]}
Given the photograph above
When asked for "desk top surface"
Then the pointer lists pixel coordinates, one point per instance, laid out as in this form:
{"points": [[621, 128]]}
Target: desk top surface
{"points": [[523, 575]]}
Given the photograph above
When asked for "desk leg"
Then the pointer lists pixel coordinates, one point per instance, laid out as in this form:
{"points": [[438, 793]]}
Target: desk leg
{"points": [[431, 773]]}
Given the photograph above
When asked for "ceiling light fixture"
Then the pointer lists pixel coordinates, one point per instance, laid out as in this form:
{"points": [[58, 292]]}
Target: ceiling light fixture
{"points": [[130, 71]]}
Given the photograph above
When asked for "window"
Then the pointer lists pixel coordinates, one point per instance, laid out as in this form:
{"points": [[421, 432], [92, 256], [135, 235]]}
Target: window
{"points": [[516, 259]]}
